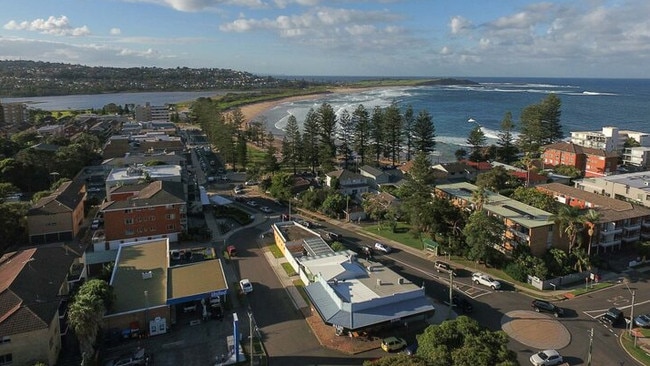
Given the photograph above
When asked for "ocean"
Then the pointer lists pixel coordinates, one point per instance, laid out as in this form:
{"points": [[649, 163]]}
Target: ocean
{"points": [[587, 104]]}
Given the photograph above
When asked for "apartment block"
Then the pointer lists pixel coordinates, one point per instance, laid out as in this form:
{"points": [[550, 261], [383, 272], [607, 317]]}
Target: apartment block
{"points": [[631, 187], [525, 225], [621, 223], [592, 162]]}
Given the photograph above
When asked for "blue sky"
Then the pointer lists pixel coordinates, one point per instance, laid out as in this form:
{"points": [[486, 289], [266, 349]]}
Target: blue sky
{"points": [[462, 38]]}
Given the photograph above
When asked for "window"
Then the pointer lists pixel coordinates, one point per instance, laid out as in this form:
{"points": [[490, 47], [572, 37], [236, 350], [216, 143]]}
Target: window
{"points": [[128, 221], [6, 360], [128, 232], [170, 216], [170, 227], [152, 218], [5, 339]]}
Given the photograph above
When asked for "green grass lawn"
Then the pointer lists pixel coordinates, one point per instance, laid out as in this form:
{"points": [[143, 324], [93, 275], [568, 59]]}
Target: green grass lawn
{"points": [[287, 268], [275, 250], [402, 234], [301, 288], [638, 352]]}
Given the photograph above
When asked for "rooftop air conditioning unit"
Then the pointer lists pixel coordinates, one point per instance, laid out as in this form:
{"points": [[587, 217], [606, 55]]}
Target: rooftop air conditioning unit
{"points": [[379, 282], [400, 281], [147, 275]]}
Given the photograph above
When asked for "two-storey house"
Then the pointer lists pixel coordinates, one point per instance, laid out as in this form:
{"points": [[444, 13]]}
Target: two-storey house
{"points": [[347, 183], [57, 217]]}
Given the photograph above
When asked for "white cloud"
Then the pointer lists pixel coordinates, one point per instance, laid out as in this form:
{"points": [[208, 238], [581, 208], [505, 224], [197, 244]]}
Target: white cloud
{"points": [[459, 25], [115, 31], [55, 26], [199, 5]]}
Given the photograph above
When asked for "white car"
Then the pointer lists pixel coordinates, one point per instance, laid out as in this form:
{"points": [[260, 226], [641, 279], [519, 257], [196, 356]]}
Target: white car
{"points": [[548, 357], [383, 248], [485, 280], [246, 286], [251, 203]]}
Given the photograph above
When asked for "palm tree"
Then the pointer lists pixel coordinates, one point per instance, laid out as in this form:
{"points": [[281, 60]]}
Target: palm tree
{"points": [[568, 219], [85, 317], [590, 220], [480, 197]]}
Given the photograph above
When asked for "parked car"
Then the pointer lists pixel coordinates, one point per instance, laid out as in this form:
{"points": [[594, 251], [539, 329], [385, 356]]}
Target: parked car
{"points": [[391, 344], [411, 349], [332, 236], [485, 280], [367, 251], [252, 183], [231, 250], [251, 203], [95, 224], [462, 303], [613, 316], [545, 306], [265, 209], [175, 254], [548, 357], [642, 321], [139, 357], [383, 248], [246, 285], [443, 267]]}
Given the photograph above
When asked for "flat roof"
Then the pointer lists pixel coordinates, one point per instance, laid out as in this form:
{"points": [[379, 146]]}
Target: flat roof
{"points": [[140, 267], [195, 279], [523, 214], [134, 173], [358, 280], [291, 231]]}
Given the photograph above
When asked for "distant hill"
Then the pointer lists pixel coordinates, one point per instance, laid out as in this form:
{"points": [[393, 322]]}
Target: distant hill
{"points": [[37, 78]]}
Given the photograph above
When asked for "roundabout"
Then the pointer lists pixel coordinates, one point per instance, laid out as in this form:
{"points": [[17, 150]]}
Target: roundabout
{"points": [[535, 330]]}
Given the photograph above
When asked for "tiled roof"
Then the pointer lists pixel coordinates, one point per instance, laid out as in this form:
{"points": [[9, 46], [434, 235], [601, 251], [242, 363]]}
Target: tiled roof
{"points": [[64, 199], [577, 149], [345, 175], [155, 193], [30, 281], [371, 170]]}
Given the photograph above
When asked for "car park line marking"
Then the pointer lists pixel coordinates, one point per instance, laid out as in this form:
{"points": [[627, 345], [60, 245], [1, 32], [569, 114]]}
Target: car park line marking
{"points": [[436, 276]]}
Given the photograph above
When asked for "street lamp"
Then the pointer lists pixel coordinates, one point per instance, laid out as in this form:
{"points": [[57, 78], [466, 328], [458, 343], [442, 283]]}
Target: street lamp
{"points": [[250, 327], [633, 292]]}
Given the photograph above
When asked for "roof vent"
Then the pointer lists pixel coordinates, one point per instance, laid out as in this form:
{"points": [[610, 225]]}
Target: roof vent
{"points": [[147, 275], [400, 281], [379, 282]]}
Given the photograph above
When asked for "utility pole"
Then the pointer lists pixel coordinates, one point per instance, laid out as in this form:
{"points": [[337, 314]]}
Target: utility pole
{"points": [[250, 326], [591, 342], [451, 293]]}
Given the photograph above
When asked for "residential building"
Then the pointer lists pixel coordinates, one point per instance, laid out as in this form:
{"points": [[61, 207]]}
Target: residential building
{"points": [[51, 130], [525, 225], [349, 183], [351, 294], [142, 212], [135, 174], [592, 162], [57, 217], [454, 172], [15, 113], [610, 139], [638, 157], [376, 177], [147, 283], [34, 295], [632, 187], [621, 223], [149, 112]]}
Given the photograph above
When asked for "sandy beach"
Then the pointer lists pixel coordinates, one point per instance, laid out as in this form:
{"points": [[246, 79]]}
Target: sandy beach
{"points": [[252, 111]]}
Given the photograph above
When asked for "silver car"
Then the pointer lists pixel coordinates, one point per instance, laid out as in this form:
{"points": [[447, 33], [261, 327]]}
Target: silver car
{"points": [[642, 321]]}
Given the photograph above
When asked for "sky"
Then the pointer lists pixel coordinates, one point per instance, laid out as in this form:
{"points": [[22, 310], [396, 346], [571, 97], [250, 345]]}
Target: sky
{"points": [[390, 38]]}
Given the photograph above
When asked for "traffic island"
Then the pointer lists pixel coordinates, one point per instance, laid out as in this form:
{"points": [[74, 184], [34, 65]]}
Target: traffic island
{"points": [[535, 330]]}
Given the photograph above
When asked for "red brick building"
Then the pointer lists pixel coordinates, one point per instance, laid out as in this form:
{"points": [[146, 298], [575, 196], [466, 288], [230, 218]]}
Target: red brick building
{"points": [[153, 210], [592, 162]]}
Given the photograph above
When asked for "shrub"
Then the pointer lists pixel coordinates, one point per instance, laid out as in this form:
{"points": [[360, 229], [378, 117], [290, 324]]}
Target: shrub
{"points": [[517, 272]]}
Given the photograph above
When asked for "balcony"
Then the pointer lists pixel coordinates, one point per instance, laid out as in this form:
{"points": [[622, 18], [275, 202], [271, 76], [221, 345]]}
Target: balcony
{"points": [[609, 231], [632, 227], [645, 235], [610, 242], [523, 236], [630, 239]]}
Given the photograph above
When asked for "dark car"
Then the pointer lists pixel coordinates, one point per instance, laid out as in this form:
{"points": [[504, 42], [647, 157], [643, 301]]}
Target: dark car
{"points": [[547, 307], [444, 267], [613, 316], [462, 303]]}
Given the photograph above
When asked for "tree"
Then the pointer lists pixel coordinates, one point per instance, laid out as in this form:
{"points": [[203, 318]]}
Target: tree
{"points": [[540, 124], [506, 153], [569, 221], [424, 133], [536, 198], [310, 140], [590, 220], [422, 172], [463, 342], [377, 133], [393, 133], [281, 184], [483, 233], [326, 118], [345, 135], [551, 112], [86, 313], [292, 144], [334, 204], [476, 140], [361, 122], [497, 179], [408, 124]]}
